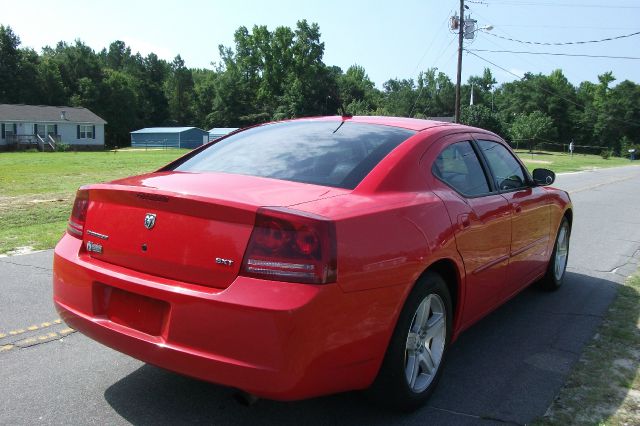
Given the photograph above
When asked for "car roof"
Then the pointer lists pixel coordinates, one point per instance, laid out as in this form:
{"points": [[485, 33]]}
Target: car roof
{"points": [[415, 124]]}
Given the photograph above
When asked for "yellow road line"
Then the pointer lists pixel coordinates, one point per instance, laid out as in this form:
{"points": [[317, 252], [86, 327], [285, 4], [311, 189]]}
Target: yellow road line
{"points": [[34, 340], [30, 328], [49, 337]]}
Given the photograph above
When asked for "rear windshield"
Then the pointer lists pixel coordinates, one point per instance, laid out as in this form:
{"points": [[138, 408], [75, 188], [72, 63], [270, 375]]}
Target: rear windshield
{"points": [[331, 153]]}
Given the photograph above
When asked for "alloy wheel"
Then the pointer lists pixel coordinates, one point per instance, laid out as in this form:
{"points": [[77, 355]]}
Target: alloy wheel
{"points": [[425, 343]]}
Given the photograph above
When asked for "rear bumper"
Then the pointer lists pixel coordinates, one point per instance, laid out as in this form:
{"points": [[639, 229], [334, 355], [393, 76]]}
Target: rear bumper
{"points": [[276, 340]]}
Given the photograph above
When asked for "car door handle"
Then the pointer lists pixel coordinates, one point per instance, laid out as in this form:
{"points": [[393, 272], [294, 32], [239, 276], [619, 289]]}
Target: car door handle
{"points": [[464, 221], [517, 207]]}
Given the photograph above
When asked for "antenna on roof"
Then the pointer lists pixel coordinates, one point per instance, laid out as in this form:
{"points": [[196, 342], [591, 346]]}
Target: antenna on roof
{"points": [[343, 111], [341, 108]]}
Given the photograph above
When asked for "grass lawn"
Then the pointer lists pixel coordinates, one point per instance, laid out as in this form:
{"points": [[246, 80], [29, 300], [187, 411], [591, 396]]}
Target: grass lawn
{"points": [[604, 387], [37, 189], [561, 162]]}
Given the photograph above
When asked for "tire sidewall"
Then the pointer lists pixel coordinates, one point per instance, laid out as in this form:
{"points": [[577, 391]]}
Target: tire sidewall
{"points": [[551, 280], [391, 387]]}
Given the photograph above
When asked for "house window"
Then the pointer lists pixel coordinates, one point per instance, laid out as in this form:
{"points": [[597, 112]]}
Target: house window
{"points": [[45, 130], [86, 132], [8, 130]]}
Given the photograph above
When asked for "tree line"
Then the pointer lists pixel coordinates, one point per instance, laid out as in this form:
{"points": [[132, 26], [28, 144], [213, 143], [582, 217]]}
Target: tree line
{"points": [[273, 75]]}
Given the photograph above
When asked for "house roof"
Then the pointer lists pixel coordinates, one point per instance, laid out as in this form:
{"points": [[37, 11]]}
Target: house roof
{"points": [[166, 130], [48, 114], [222, 130]]}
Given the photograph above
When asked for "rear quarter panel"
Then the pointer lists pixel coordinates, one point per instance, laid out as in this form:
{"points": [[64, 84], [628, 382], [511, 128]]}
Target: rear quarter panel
{"points": [[391, 228]]}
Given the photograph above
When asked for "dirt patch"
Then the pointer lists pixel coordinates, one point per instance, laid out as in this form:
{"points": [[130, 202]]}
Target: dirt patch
{"points": [[527, 160], [22, 201], [18, 251]]}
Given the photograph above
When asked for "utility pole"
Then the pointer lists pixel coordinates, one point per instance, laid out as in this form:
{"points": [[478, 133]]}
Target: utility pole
{"points": [[459, 75]]}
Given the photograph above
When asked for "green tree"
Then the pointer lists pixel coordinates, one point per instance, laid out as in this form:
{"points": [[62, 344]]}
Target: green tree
{"points": [[435, 95], [552, 95], [179, 90], [482, 117], [532, 128], [309, 84], [153, 101], [27, 82], [482, 89], [77, 62], [119, 105], [9, 65], [357, 92], [399, 97], [50, 83]]}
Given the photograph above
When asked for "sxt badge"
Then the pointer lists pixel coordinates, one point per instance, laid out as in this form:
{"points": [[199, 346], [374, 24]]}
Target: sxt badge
{"points": [[225, 262]]}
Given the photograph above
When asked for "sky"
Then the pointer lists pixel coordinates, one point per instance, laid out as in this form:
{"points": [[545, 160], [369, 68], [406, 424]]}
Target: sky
{"points": [[390, 39]]}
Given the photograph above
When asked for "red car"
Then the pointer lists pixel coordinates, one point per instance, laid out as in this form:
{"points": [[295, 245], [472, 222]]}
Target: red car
{"points": [[313, 256]]}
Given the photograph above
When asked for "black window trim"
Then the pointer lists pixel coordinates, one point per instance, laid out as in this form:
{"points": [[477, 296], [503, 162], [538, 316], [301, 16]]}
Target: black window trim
{"points": [[529, 180], [490, 183]]}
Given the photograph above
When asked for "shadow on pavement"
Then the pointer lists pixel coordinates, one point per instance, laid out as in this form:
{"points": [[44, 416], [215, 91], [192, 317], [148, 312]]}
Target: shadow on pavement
{"points": [[507, 368]]}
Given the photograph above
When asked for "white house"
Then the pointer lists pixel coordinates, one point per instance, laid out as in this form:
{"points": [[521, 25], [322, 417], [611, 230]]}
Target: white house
{"points": [[43, 127]]}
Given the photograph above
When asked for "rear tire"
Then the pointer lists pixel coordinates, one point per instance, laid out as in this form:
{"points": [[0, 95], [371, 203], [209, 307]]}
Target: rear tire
{"points": [[415, 357], [558, 262]]}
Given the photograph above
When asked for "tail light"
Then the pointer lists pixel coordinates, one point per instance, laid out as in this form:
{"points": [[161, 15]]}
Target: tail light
{"points": [[291, 246], [75, 227]]}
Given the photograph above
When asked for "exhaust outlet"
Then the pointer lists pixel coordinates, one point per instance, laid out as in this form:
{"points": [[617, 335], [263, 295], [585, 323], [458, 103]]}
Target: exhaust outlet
{"points": [[244, 398]]}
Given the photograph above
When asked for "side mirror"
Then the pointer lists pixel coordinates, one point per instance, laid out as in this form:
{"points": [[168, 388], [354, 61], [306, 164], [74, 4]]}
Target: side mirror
{"points": [[543, 177]]}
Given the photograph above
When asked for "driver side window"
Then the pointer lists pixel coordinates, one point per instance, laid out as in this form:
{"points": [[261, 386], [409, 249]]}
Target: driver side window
{"points": [[506, 169]]}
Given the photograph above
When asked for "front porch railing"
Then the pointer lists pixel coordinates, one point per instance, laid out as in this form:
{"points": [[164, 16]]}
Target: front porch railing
{"points": [[24, 142]]}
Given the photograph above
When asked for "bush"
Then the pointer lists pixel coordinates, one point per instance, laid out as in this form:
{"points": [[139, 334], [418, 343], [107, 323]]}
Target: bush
{"points": [[605, 154], [62, 147]]}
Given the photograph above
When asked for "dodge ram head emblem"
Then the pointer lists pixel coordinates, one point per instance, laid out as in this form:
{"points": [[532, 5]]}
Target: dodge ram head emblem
{"points": [[150, 220]]}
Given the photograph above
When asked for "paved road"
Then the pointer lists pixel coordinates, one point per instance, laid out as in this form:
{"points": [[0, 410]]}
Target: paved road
{"points": [[506, 369]]}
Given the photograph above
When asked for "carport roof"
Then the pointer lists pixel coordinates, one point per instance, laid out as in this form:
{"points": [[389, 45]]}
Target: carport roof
{"points": [[222, 130], [166, 130]]}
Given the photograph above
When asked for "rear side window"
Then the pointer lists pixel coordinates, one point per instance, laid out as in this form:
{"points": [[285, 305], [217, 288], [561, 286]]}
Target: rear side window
{"points": [[505, 168], [331, 153], [459, 167]]}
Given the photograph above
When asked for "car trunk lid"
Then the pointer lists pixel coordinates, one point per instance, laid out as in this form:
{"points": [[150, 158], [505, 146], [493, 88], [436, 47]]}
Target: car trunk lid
{"points": [[195, 229]]}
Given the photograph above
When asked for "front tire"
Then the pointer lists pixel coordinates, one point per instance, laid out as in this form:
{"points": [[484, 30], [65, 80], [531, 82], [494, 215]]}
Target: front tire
{"points": [[558, 262], [416, 353]]}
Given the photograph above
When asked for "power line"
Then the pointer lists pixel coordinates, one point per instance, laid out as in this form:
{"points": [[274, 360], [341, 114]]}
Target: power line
{"points": [[633, 123], [554, 54], [564, 43], [422, 87], [561, 27], [530, 3], [446, 18], [519, 77], [501, 30]]}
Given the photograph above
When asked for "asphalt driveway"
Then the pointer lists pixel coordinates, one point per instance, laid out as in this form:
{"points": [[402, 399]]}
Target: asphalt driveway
{"points": [[506, 369]]}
